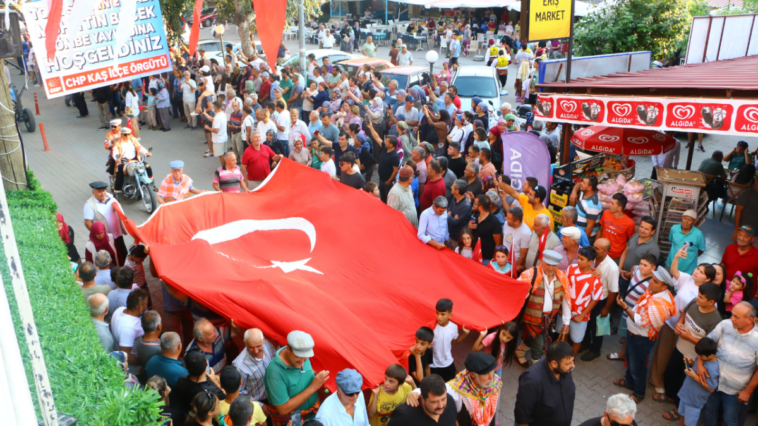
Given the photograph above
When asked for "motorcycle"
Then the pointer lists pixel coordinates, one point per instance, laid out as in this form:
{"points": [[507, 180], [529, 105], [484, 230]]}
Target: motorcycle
{"points": [[137, 185]]}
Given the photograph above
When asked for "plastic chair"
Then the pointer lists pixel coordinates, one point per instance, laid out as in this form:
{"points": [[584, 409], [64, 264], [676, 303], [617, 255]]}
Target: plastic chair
{"points": [[733, 190]]}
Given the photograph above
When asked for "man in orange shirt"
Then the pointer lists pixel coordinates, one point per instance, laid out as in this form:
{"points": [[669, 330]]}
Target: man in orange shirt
{"points": [[616, 226]]}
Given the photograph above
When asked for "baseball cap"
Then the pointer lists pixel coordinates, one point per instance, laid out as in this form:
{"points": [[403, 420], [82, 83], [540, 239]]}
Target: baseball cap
{"points": [[205, 68], [301, 344], [551, 257], [690, 213], [410, 98], [176, 164], [406, 172], [749, 229], [572, 232], [349, 380]]}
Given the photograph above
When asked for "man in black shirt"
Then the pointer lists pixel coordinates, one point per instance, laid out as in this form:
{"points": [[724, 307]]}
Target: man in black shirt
{"points": [[389, 163], [458, 212], [349, 175], [546, 390], [456, 163], [619, 409], [436, 407], [486, 228], [200, 378], [471, 176], [102, 96]]}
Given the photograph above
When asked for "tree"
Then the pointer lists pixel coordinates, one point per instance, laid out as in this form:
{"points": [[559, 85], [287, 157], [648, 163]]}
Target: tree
{"points": [[239, 12], [633, 25]]}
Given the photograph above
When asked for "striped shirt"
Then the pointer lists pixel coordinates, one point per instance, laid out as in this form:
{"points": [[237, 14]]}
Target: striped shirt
{"points": [[171, 190], [228, 181], [253, 371], [635, 293], [589, 209], [737, 355]]}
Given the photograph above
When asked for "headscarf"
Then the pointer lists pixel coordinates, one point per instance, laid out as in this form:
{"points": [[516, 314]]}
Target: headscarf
{"points": [[496, 131], [271, 132], [478, 124], [379, 108], [511, 117], [63, 232], [102, 243], [476, 101]]}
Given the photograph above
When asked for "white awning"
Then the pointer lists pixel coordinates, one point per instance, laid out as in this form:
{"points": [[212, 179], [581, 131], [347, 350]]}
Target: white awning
{"points": [[581, 8]]}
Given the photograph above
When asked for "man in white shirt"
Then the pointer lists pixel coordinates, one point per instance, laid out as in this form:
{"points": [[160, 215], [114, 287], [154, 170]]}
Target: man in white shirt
{"points": [[328, 40], [231, 97], [320, 35], [405, 57], [219, 135], [99, 208], [126, 324], [516, 236], [188, 99], [264, 122]]}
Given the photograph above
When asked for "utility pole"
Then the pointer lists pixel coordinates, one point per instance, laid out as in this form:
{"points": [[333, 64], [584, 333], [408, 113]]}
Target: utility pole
{"points": [[11, 152], [301, 30]]}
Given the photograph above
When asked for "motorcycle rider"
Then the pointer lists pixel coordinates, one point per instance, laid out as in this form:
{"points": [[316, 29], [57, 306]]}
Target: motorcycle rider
{"points": [[126, 150], [113, 136]]}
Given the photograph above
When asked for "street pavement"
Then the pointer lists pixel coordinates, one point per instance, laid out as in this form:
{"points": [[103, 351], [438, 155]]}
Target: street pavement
{"points": [[77, 157]]}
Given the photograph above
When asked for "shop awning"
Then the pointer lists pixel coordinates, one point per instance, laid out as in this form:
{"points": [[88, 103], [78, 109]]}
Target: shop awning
{"points": [[715, 97], [453, 4], [581, 8]]}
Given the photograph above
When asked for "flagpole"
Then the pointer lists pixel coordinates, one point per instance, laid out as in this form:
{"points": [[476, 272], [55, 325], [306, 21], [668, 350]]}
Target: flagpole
{"points": [[301, 29]]}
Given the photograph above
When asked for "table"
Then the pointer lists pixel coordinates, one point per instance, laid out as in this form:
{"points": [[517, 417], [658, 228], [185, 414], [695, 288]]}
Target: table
{"points": [[421, 39]]}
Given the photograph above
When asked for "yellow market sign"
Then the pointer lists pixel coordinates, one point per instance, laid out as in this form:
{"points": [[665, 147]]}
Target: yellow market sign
{"points": [[549, 19]]}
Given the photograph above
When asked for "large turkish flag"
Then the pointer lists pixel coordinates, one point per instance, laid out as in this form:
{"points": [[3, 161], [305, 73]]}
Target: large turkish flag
{"points": [[304, 252]]}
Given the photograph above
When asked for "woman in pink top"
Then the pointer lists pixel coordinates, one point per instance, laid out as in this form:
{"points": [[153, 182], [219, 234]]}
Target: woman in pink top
{"points": [[501, 344]]}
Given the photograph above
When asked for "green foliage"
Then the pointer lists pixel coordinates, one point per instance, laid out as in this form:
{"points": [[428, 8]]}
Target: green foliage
{"points": [[86, 382], [748, 6], [172, 11], [633, 25], [699, 8]]}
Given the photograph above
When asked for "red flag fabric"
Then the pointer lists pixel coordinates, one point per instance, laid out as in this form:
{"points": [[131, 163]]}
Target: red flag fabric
{"points": [[269, 19], [195, 31], [304, 252], [53, 27]]}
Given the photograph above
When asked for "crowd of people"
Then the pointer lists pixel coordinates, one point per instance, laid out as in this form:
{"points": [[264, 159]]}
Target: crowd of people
{"points": [[416, 151]]}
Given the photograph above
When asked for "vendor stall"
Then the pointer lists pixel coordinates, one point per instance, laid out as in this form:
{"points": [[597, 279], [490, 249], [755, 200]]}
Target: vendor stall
{"points": [[679, 191]]}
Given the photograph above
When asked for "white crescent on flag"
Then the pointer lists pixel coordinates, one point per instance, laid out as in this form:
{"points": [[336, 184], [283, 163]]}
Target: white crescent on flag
{"points": [[233, 230]]}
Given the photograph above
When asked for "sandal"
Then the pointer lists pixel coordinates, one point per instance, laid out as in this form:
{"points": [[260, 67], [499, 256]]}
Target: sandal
{"points": [[622, 384], [672, 415], [614, 356], [207, 154], [636, 399], [661, 397]]}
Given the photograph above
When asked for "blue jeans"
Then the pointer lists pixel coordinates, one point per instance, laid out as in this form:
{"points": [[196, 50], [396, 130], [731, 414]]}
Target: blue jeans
{"points": [[286, 145], [637, 352], [486, 262], [729, 403]]}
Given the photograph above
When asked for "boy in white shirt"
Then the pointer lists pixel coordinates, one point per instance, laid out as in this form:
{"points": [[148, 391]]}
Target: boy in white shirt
{"points": [[327, 164], [445, 334]]}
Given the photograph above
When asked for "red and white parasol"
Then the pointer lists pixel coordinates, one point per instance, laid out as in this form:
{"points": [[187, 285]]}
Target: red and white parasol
{"points": [[623, 141]]}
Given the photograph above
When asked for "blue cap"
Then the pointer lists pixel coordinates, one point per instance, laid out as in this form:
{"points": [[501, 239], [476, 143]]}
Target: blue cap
{"points": [[349, 380], [176, 164], [326, 104], [361, 138], [410, 98]]}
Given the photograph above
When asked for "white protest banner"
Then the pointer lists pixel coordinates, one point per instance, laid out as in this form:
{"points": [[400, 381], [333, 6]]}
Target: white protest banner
{"points": [[90, 58]]}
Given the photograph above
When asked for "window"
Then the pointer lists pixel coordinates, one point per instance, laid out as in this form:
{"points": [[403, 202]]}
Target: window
{"points": [[483, 87], [414, 81], [402, 80]]}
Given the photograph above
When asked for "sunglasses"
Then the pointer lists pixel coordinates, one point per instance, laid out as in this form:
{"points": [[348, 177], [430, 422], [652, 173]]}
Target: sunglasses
{"points": [[350, 394], [501, 248]]}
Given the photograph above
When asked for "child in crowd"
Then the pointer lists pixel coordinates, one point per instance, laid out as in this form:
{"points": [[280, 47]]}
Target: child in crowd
{"points": [[465, 244], [231, 380], [585, 291], [501, 344], [134, 260], [736, 291], [420, 357], [387, 396], [151, 109], [327, 164], [445, 334], [372, 188], [315, 154], [694, 393], [500, 264]]}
